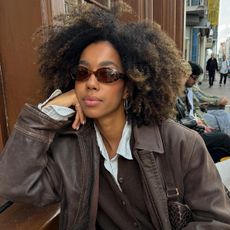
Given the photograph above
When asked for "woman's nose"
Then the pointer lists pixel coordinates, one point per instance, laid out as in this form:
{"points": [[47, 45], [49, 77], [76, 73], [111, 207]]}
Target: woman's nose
{"points": [[92, 82]]}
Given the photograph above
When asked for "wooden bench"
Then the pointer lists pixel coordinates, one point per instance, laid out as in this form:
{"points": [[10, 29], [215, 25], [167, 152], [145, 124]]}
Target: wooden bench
{"points": [[20, 216]]}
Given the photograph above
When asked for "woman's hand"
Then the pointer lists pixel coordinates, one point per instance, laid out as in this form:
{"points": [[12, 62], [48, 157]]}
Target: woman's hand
{"points": [[69, 99]]}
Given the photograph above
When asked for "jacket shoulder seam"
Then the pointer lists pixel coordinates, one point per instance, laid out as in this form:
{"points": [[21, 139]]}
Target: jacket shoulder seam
{"points": [[36, 136]]}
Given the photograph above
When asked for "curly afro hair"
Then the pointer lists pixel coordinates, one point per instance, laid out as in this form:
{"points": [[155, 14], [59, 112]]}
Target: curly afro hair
{"points": [[150, 59]]}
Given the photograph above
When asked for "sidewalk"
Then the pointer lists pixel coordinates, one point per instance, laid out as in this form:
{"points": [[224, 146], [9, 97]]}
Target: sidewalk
{"points": [[216, 89]]}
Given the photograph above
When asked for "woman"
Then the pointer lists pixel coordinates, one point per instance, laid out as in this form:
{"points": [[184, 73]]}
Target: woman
{"points": [[108, 174]]}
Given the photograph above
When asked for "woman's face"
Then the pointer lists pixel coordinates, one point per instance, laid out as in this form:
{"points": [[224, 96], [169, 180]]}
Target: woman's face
{"points": [[101, 100]]}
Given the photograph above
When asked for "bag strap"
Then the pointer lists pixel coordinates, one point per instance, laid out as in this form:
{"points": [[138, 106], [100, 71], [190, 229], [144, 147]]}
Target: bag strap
{"points": [[172, 191]]}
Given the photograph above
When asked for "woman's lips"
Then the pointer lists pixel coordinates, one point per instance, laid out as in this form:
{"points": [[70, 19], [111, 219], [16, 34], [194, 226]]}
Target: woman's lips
{"points": [[91, 101]]}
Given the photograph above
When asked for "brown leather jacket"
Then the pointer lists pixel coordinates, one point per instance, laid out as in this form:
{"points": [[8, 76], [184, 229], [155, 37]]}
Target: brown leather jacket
{"points": [[46, 161]]}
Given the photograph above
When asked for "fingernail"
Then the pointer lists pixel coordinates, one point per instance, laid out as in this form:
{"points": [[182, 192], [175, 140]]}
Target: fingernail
{"points": [[83, 122], [77, 127]]}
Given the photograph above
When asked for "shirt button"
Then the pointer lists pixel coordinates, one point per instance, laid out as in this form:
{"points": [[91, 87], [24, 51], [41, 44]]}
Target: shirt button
{"points": [[123, 202], [135, 224], [121, 180]]}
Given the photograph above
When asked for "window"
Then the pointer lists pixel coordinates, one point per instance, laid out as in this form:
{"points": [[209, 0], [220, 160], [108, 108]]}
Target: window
{"points": [[101, 3], [68, 5], [195, 2]]}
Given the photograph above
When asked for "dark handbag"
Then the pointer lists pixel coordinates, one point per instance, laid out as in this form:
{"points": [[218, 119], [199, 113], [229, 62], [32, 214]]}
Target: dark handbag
{"points": [[191, 123], [179, 213], [188, 121]]}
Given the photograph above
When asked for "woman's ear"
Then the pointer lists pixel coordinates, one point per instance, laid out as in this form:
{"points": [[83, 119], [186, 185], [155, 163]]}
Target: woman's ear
{"points": [[126, 93]]}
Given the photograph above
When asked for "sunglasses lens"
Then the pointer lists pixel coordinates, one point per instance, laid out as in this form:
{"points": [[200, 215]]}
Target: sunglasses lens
{"points": [[104, 75], [82, 74], [107, 75], [194, 77]]}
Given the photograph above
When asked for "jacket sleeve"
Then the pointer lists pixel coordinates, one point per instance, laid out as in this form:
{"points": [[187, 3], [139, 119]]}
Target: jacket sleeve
{"points": [[27, 171], [204, 192], [203, 97]]}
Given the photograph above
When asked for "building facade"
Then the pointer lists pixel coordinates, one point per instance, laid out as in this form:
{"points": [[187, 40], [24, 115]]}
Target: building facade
{"points": [[201, 30]]}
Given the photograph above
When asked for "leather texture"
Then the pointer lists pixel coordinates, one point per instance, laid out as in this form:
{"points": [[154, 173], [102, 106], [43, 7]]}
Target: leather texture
{"points": [[46, 161]]}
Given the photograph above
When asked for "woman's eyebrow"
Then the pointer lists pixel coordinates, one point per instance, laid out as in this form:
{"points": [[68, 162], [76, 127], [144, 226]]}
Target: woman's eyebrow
{"points": [[101, 64], [83, 62], [106, 63]]}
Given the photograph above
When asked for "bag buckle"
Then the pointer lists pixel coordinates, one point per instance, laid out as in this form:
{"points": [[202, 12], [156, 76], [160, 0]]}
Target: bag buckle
{"points": [[171, 193]]}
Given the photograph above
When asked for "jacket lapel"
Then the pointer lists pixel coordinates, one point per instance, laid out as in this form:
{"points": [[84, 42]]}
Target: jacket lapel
{"points": [[148, 138], [148, 144]]}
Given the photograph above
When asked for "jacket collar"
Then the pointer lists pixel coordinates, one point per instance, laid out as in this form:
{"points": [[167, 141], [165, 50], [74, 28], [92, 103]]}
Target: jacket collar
{"points": [[148, 138]]}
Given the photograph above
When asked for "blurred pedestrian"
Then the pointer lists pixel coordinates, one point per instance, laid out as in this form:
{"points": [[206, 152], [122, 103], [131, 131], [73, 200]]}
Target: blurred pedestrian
{"points": [[224, 70], [211, 68]]}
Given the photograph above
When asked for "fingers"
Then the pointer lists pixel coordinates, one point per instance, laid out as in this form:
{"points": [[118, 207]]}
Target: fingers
{"points": [[76, 123], [79, 117]]}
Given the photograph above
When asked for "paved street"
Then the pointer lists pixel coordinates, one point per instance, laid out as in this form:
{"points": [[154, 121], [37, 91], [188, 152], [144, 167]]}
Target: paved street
{"points": [[216, 89]]}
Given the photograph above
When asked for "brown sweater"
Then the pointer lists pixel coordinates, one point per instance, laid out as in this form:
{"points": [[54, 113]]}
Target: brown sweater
{"points": [[124, 209]]}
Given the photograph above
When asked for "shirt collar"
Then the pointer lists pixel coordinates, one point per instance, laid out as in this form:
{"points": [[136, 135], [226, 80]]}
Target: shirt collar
{"points": [[123, 149]]}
